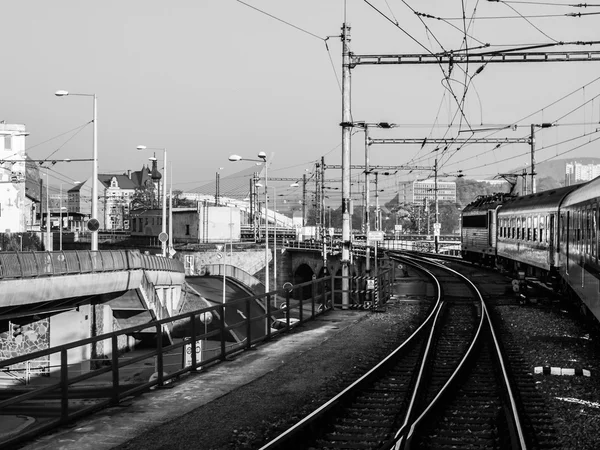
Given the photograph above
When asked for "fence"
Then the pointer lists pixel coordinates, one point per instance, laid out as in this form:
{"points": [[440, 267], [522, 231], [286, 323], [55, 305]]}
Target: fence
{"points": [[231, 327], [235, 326]]}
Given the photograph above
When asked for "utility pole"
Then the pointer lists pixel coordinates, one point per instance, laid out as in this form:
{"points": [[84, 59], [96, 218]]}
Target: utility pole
{"points": [[436, 226], [367, 215], [217, 189], [532, 140], [322, 204], [346, 141], [377, 218], [317, 211], [303, 199]]}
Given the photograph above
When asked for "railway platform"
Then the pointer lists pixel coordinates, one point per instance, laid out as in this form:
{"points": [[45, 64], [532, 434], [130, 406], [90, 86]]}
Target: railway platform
{"points": [[116, 425]]}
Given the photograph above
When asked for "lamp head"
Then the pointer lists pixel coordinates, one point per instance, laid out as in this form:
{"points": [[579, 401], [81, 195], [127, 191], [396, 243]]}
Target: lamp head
{"points": [[294, 185], [235, 158], [263, 156], [61, 93], [141, 147], [258, 185]]}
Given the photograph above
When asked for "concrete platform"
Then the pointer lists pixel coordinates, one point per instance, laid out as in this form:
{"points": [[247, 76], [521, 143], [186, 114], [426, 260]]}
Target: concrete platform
{"points": [[116, 425]]}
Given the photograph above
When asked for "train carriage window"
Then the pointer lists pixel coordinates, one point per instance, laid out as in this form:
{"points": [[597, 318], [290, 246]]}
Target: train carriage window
{"points": [[528, 229], [595, 233], [592, 230], [513, 222], [577, 228], [587, 231], [535, 229], [542, 229], [523, 228], [518, 228]]}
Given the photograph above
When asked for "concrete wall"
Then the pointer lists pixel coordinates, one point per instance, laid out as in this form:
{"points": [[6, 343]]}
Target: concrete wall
{"points": [[71, 326]]}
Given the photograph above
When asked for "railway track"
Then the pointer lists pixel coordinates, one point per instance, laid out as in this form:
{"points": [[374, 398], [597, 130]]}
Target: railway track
{"points": [[444, 387]]}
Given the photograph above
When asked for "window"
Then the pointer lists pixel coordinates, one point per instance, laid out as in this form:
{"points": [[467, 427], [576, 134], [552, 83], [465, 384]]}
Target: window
{"points": [[519, 228], [528, 229], [595, 224], [187, 230], [588, 230], [542, 230], [535, 228], [479, 221]]}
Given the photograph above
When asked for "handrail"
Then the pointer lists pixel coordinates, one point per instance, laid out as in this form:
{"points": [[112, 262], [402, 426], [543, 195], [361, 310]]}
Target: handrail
{"points": [[252, 323], [74, 262]]}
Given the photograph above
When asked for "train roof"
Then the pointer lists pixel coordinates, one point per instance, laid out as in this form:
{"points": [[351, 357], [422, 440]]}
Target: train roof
{"points": [[548, 200], [585, 192], [485, 202]]}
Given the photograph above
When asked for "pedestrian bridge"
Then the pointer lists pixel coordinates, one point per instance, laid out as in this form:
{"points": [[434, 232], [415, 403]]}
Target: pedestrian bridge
{"points": [[27, 278]]}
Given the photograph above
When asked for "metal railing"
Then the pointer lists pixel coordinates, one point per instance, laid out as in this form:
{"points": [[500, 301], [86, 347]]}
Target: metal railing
{"points": [[70, 262], [235, 326]]}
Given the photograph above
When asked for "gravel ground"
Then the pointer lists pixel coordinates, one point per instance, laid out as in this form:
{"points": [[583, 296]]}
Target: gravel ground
{"points": [[252, 414], [551, 336]]}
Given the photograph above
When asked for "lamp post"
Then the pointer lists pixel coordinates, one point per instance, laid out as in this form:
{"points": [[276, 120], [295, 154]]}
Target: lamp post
{"points": [[263, 159], [60, 207], [94, 211], [163, 241], [274, 234], [48, 237]]}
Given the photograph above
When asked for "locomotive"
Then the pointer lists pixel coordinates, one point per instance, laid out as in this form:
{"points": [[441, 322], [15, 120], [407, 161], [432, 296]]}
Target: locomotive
{"points": [[551, 235]]}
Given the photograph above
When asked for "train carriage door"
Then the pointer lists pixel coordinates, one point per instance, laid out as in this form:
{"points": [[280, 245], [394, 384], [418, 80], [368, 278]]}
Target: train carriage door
{"points": [[550, 236], [567, 236], [491, 228]]}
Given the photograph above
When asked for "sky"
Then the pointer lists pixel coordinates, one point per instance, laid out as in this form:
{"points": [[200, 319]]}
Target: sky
{"points": [[207, 79]]}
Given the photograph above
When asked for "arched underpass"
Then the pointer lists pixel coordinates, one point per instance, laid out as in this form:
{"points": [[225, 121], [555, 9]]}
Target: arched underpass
{"points": [[303, 274]]}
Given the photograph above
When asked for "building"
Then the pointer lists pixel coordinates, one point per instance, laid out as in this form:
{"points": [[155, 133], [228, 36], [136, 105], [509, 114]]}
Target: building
{"points": [[116, 197], [577, 173], [190, 225], [116, 194], [15, 208], [424, 191]]}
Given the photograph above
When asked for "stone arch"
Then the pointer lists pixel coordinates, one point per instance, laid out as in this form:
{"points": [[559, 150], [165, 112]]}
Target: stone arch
{"points": [[302, 274]]}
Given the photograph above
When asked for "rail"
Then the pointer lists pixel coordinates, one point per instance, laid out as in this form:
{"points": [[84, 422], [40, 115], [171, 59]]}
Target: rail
{"points": [[72, 262]]}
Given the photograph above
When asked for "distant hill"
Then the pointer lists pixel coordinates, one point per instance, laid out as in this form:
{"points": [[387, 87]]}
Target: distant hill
{"points": [[550, 174]]}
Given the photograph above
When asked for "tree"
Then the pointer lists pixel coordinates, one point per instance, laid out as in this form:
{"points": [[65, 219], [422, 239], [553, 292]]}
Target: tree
{"points": [[182, 202], [143, 198], [468, 190]]}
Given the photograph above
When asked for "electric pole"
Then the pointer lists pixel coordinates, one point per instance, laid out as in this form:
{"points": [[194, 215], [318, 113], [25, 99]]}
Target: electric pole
{"points": [[346, 141]]}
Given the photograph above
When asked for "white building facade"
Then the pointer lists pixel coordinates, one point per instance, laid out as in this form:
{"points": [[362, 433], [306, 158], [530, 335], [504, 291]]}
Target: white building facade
{"points": [[576, 172], [13, 206]]}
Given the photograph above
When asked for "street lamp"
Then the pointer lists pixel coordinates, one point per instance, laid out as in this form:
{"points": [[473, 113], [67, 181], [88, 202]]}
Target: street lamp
{"points": [[94, 212], [274, 233], [163, 236], [263, 159]]}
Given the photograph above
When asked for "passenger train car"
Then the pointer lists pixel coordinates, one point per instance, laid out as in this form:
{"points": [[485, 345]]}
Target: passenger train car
{"points": [[527, 232], [478, 228], [551, 235], [579, 245]]}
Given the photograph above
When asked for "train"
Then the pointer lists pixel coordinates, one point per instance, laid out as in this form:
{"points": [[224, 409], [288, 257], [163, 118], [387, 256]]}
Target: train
{"points": [[552, 236]]}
